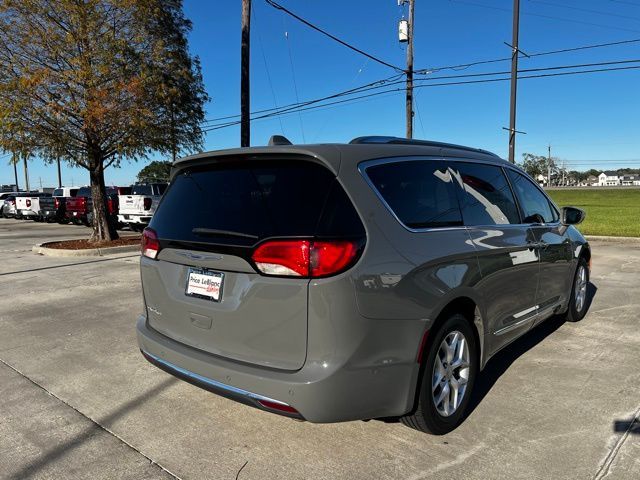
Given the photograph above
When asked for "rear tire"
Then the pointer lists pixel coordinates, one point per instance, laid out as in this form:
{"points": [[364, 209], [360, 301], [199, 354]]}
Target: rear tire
{"points": [[578, 305], [448, 375]]}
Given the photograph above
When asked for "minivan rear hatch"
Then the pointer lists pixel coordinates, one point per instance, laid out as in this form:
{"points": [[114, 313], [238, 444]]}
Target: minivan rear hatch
{"points": [[204, 289]]}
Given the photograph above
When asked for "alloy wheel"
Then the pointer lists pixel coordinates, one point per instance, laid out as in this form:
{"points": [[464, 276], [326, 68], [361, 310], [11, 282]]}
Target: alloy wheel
{"points": [[450, 373]]}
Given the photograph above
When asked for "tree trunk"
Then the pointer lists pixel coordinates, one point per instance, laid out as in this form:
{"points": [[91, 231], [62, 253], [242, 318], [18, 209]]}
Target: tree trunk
{"points": [[104, 226]]}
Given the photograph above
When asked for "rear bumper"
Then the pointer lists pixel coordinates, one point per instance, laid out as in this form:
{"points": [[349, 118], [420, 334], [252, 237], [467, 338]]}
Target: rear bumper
{"points": [[227, 391], [319, 394], [129, 218]]}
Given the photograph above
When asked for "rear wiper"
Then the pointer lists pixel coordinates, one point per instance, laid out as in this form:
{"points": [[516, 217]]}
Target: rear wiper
{"points": [[222, 233]]}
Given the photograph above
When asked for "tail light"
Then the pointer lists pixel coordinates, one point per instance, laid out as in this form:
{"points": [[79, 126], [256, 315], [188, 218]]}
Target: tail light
{"points": [[56, 203], [28, 202], [305, 258], [147, 203], [150, 244]]}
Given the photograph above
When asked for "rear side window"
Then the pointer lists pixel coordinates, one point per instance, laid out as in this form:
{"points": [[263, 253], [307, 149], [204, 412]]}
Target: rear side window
{"points": [[420, 193], [141, 190], [535, 205], [486, 198], [242, 203]]}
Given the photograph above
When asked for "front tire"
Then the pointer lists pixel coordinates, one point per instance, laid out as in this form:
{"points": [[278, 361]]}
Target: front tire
{"points": [[578, 305], [448, 376]]}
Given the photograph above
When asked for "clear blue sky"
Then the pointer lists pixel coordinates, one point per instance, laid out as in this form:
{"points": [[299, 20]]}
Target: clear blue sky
{"points": [[588, 119]]}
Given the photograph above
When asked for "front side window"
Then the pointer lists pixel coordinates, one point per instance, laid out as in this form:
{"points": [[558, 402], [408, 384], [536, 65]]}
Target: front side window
{"points": [[535, 205], [420, 193], [486, 198]]}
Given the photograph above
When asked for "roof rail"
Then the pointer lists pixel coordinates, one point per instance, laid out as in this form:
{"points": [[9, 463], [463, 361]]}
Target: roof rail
{"points": [[408, 141]]}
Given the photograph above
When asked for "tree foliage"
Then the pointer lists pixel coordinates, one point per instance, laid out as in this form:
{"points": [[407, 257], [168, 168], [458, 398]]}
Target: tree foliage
{"points": [[156, 171], [95, 82]]}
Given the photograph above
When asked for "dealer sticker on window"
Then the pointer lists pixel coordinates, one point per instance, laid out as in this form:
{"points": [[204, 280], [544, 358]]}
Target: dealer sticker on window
{"points": [[205, 284]]}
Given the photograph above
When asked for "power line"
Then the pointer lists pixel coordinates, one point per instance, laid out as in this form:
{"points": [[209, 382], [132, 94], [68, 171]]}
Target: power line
{"points": [[570, 20], [626, 2], [295, 84], [368, 86], [266, 68], [333, 37], [587, 10], [539, 54], [401, 89], [394, 81], [378, 83]]}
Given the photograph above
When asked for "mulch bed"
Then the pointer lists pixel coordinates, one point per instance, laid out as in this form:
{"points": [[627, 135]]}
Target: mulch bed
{"points": [[84, 244]]}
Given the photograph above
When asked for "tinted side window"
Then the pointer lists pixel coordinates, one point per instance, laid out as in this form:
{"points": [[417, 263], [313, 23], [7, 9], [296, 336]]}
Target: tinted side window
{"points": [[535, 205], [420, 193], [486, 198]]}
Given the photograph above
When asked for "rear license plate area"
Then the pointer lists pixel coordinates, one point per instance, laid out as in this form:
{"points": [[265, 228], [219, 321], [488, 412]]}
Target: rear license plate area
{"points": [[205, 284]]}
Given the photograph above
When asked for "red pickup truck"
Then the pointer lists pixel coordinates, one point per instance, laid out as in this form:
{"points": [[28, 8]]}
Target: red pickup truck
{"points": [[79, 209]]}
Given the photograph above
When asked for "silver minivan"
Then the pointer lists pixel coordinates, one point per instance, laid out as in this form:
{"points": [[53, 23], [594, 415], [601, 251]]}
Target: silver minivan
{"points": [[353, 281]]}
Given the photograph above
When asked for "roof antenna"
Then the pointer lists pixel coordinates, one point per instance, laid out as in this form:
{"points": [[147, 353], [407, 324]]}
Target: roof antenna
{"points": [[279, 140]]}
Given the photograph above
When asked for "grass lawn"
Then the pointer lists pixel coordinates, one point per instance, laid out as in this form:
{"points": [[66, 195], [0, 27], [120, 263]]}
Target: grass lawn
{"points": [[611, 211]]}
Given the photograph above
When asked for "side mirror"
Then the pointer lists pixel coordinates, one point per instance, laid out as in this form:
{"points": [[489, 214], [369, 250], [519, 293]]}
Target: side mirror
{"points": [[572, 215]]}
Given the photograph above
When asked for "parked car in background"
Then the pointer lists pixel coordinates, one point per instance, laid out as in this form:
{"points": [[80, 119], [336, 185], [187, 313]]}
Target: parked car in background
{"points": [[79, 209], [9, 206], [28, 205], [137, 208], [53, 209], [342, 282]]}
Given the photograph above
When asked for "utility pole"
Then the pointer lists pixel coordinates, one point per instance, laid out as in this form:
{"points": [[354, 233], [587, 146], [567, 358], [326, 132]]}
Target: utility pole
{"points": [[26, 174], [514, 81], [409, 101], [14, 160], [549, 167], [245, 128], [59, 173]]}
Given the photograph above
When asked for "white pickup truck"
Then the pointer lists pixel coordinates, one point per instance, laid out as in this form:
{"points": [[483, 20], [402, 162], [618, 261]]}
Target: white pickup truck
{"points": [[137, 209], [29, 206]]}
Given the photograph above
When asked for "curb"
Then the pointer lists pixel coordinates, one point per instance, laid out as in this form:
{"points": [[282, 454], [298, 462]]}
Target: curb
{"points": [[88, 252], [605, 238]]}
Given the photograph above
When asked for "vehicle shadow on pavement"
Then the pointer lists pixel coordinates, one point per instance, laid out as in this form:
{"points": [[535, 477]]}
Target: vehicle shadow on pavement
{"points": [[91, 431], [630, 426], [502, 360]]}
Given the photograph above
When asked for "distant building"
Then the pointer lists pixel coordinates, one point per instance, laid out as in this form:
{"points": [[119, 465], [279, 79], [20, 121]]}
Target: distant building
{"points": [[629, 180], [591, 181], [608, 178]]}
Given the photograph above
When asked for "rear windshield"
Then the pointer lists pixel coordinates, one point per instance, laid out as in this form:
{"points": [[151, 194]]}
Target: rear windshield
{"points": [[84, 192], [242, 203], [57, 192], [141, 190]]}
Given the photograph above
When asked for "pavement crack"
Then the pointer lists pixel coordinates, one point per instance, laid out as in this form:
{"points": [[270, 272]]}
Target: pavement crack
{"points": [[603, 470], [96, 423]]}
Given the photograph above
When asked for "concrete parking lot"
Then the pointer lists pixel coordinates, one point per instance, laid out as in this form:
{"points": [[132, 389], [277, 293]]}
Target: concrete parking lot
{"points": [[77, 400]]}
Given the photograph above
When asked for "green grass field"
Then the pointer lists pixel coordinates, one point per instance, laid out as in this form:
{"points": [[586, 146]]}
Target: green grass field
{"points": [[611, 211]]}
